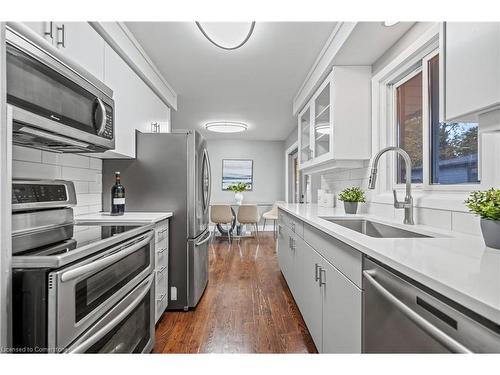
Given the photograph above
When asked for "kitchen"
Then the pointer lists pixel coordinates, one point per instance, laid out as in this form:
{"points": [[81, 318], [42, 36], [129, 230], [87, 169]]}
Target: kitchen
{"points": [[251, 187]]}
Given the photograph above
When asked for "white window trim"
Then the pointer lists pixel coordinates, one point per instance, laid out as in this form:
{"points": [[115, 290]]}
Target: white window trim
{"points": [[446, 197]]}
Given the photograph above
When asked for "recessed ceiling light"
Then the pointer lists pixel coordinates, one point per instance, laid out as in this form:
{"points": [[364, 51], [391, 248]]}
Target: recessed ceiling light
{"points": [[390, 23], [226, 126], [228, 33]]}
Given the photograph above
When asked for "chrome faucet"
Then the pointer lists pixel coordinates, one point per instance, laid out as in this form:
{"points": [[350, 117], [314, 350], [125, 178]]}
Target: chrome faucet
{"points": [[408, 202]]}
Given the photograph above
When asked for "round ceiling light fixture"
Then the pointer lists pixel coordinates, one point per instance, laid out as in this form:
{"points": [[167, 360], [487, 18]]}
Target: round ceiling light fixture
{"points": [[226, 126], [222, 29], [323, 128], [390, 23]]}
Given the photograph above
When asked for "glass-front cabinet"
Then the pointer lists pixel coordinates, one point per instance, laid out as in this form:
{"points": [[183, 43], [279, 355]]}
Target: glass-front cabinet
{"points": [[334, 126], [315, 124]]}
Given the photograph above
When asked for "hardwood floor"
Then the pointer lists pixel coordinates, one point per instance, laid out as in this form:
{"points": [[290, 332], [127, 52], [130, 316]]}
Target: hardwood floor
{"points": [[247, 307]]}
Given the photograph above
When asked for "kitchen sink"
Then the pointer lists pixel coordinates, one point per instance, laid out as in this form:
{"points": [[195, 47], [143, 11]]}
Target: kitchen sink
{"points": [[374, 229]]}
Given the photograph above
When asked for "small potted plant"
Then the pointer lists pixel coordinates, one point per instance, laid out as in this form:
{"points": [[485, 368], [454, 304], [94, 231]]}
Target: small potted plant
{"points": [[486, 204], [351, 197], [238, 190]]}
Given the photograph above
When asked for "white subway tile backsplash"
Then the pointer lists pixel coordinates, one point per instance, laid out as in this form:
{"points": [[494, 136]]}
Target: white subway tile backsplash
{"points": [[95, 164], [435, 218], [79, 174], [84, 171], [26, 169], [466, 223], [26, 154]]}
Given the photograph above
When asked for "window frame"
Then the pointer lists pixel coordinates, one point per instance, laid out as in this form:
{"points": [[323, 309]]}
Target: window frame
{"points": [[421, 66]]}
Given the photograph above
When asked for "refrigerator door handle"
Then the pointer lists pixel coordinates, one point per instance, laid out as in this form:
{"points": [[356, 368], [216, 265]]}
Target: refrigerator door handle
{"points": [[209, 180], [204, 240]]}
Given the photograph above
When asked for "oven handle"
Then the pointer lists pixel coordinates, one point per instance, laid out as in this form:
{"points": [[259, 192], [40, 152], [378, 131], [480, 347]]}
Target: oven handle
{"points": [[424, 324], [106, 261], [113, 323]]}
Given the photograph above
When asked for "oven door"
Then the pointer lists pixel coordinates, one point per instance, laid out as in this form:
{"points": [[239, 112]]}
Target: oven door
{"points": [[80, 294], [127, 328]]}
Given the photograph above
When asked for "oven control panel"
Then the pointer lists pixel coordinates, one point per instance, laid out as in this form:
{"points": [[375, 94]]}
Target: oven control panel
{"points": [[30, 193]]}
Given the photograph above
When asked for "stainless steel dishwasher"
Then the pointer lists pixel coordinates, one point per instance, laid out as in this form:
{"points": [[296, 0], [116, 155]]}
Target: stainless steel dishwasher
{"points": [[399, 316]]}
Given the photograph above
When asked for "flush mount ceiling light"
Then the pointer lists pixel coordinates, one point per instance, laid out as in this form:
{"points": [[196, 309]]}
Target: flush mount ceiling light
{"points": [[390, 23], [226, 32], [226, 126]]}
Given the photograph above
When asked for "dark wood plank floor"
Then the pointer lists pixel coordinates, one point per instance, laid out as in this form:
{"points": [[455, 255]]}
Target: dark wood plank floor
{"points": [[247, 307]]}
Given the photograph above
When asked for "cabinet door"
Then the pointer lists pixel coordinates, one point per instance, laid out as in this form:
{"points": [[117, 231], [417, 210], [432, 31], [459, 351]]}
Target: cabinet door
{"points": [[305, 135], [283, 249], [43, 29], [311, 296], [472, 74], [83, 45], [341, 312], [322, 127], [136, 105]]}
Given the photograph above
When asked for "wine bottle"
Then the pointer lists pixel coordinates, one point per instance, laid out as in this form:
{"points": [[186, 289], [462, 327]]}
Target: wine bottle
{"points": [[117, 196]]}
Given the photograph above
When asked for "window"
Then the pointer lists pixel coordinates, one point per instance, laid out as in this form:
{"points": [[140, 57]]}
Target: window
{"points": [[409, 126], [454, 145], [452, 154]]}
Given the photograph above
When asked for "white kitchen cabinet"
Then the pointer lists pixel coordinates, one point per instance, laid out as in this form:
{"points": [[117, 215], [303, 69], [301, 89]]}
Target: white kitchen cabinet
{"points": [[342, 312], [318, 270], [334, 127], [136, 105], [470, 69], [312, 304], [77, 40]]}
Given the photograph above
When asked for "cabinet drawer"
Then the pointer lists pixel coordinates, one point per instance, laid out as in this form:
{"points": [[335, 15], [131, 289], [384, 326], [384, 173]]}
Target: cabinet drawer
{"points": [[161, 260], [344, 257], [161, 231], [161, 305], [291, 222], [161, 282]]}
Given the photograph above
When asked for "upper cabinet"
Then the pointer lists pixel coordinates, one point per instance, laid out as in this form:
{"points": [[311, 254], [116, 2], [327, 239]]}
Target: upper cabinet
{"points": [[471, 69], [110, 53], [334, 126], [136, 106], [77, 40]]}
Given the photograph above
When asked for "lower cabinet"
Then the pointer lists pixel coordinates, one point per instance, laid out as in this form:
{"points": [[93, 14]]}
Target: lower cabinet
{"points": [[161, 268], [329, 302]]}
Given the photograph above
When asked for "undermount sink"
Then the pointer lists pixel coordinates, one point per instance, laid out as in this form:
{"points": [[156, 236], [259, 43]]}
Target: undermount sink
{"points": [[374, 229]]}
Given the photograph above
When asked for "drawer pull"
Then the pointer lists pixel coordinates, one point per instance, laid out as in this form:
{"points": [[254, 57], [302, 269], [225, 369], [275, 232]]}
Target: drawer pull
{"points": [[162, 296], [162, 250], [161, 269]]}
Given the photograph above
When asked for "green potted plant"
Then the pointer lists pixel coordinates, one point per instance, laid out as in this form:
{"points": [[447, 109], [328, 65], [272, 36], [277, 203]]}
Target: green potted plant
{"points": [[351, 197], [238, 190], [486, 204]]}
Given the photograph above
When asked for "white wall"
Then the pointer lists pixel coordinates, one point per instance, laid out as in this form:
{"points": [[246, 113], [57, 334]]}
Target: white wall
{"points": [[84, 171], [268, 172]]}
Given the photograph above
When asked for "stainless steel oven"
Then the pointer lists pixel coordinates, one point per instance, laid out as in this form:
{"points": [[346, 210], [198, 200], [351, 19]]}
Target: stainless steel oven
{"points": [[126, 328], [80, 293], [57, 105]]}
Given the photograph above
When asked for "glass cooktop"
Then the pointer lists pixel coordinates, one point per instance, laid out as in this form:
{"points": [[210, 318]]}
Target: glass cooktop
{"points": [[82, 235]]}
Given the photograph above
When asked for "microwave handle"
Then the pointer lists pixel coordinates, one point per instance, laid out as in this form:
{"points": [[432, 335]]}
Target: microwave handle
{"points": [[113, 323], [106, 261], [100, 116]]}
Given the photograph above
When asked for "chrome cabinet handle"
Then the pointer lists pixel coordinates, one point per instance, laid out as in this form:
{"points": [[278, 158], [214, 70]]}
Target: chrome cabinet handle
{"points": [[162, 296], [49, 31], [322, 280], [162, 250], [161, 269], [316, 273], [61, 36], [424, 324], [105, 261], [163, 230], [113, 323]]}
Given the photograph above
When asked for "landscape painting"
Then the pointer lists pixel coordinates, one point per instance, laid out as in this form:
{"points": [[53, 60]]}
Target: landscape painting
{"points": [[235, 171]]}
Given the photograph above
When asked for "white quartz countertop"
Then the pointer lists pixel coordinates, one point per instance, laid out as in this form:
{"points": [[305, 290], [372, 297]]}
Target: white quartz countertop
{"points": [[127, 217], [455, 265]]}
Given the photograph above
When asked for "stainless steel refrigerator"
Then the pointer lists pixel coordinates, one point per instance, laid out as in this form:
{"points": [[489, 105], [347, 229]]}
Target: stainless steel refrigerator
{"points": [[171, 172]]}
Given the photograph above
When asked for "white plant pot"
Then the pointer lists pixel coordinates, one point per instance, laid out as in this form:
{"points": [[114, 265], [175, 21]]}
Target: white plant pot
{"points": [[238, 198]]}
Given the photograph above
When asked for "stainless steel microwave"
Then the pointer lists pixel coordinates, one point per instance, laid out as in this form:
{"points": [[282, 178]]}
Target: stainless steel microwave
{"points": [[57, 105]]}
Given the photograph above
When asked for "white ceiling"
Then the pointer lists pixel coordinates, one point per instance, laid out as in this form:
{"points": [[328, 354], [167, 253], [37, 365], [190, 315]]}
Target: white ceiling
{"points": [[254, 84]]}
